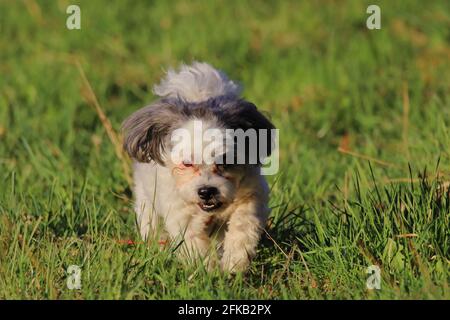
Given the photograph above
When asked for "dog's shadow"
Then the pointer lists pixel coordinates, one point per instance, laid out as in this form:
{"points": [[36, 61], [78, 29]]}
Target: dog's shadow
{"points": [[284, 233]]}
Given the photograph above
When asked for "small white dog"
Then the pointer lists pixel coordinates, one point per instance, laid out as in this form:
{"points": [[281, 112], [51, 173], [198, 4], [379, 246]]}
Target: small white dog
{"points": [[216, 205]]}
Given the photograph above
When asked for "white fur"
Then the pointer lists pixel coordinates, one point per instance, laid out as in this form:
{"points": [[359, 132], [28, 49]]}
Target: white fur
{"points": [[195, 83], [168, 194], [158, 199]]}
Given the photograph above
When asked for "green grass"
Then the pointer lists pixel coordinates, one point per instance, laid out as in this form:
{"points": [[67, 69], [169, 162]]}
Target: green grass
{"points": [[326, 81]]}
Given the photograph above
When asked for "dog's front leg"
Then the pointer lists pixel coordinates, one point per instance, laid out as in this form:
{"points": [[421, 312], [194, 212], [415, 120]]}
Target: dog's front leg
{"points": [[196, 238], [146, 218], [241, 239], [196, 242]]}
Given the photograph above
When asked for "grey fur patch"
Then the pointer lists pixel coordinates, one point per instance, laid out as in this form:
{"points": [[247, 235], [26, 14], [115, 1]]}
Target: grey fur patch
{"points": [[195, 83], [145, 131], [242, 114]]}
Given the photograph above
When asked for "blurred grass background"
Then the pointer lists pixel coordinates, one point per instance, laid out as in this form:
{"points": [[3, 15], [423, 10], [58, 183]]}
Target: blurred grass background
{"points": [[339, 93]]}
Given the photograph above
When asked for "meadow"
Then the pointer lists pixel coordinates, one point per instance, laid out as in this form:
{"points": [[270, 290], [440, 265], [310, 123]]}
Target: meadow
{"points": [[364, 119]]}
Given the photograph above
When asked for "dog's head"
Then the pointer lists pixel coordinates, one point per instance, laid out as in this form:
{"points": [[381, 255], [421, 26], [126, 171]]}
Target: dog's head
{"points": [[206, 146]]}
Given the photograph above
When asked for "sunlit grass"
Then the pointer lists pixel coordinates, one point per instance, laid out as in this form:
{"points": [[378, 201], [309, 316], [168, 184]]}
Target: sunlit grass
{"points": [[329, 84]]}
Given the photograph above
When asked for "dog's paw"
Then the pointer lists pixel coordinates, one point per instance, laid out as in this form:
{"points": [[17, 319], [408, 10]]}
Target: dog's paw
{"points": [[210, 263], [234, 264]]}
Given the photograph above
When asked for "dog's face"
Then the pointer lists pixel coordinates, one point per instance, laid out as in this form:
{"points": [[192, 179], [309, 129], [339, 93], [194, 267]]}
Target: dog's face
{"points": [[198, 164], [210, 187], [174, 134]]}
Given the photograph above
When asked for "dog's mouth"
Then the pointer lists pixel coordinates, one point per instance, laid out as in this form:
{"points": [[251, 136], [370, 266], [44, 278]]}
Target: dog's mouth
{"points": [[209, 205]]}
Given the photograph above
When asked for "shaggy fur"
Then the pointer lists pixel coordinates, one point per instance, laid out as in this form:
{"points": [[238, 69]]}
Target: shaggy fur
{"points": [[168, 190]]}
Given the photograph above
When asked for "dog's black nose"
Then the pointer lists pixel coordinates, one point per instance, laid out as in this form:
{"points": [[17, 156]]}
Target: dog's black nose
{"points": [[206, 193]]}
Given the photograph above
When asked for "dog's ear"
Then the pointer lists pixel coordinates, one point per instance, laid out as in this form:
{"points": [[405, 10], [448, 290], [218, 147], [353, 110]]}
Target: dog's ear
{"points": [[242, 114], [245, 115], [145, 131]]}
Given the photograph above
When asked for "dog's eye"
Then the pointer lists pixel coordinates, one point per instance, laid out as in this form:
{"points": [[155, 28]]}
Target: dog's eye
{"points": [[187, 164]]}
